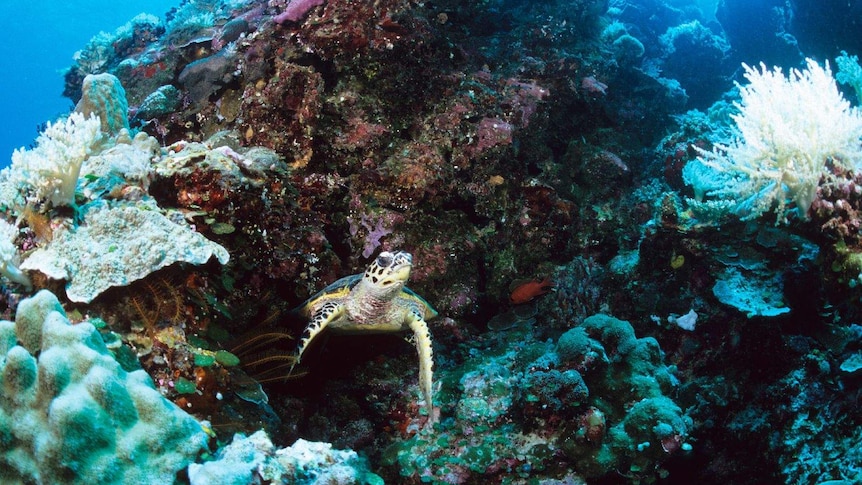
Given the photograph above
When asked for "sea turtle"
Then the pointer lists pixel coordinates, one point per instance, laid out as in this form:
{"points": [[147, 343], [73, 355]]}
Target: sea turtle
{"points": [[375, 302]]}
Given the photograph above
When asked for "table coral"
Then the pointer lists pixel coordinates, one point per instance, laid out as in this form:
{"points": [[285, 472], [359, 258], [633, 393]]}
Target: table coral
{"points": [[117, 245]]}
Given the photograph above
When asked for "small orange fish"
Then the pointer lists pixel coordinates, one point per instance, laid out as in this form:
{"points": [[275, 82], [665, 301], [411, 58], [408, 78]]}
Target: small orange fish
{"points": [[527, 291]]}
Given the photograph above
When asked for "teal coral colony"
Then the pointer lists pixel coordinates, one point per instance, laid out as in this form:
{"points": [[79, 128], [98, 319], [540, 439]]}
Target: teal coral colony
{"points": [[634, 227], [71, 414]]}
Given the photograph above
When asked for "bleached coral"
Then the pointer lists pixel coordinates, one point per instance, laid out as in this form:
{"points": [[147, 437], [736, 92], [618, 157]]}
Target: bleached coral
{"points": [[9, 255], [249, 459], [788, 130], [49, 172], [132, 159]]}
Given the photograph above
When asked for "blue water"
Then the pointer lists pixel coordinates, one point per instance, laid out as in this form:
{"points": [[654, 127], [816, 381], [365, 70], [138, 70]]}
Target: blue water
{"points": [[38, 40]]}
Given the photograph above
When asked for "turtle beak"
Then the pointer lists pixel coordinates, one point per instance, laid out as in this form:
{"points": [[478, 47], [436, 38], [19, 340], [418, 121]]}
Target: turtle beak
{"points": [[401, 266], [402, 273]]}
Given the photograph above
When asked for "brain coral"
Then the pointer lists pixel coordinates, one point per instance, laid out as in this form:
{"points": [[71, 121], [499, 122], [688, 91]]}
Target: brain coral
{"points": [[72, 415]]}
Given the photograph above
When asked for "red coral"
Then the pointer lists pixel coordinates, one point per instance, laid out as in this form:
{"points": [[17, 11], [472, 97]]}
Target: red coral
{"points": [[522, 98], [281, 114], [347, 27], [492, 132], [201, 189], [592, 425], [361, 134]]}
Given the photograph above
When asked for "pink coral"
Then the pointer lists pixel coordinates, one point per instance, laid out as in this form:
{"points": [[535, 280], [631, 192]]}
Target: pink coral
{"points": [[492, 132], [523, 97], [375, 227], [296, 10], [376, 232], [360, 134], [593, 86]]}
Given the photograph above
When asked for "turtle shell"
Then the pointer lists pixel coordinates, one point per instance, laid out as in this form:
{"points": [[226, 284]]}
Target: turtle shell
{"points": [[336, 290], [340, 288]]}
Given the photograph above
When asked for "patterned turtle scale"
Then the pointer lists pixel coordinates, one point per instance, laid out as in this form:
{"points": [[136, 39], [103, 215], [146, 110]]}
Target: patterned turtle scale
{"points": [[375, 302]]}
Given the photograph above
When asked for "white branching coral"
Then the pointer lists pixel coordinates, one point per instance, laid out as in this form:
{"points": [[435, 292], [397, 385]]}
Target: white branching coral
{"points": [[788, 132], [49, 172], [9, 255]]}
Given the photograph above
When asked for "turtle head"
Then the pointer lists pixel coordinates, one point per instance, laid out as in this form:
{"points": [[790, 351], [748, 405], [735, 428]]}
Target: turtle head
{"points": [[389, 272]]}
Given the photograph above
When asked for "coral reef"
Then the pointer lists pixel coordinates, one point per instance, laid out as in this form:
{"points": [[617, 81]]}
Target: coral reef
{"points": [[597, 397], [538, 162]]}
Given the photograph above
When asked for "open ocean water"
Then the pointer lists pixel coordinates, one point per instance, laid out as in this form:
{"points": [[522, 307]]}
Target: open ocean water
{"points": [[39, 38]]}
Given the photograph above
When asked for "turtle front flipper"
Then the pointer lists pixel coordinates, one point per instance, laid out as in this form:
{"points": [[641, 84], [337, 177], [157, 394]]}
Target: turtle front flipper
{"points": [[422, 338], [319, 320]]}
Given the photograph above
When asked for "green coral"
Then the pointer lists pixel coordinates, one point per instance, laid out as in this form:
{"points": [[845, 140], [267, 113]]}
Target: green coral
{"points": [[639, 436], [70, 414], [574, 344], [104, 97], [609, 388], [555, 390], [849, 72], [487, 394]]}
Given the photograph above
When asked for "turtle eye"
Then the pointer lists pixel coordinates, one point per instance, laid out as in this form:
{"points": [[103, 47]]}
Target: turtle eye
{"points": [[384, 260]]}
